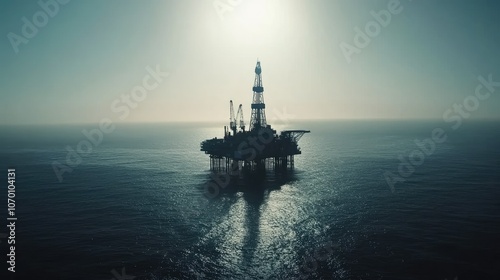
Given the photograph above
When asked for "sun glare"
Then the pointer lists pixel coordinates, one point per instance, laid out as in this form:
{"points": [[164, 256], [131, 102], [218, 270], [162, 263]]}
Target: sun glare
{"points": [[259, 16]]}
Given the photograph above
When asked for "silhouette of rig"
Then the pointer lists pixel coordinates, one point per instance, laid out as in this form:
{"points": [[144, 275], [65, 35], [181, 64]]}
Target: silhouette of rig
{"points": [[257, 149]]}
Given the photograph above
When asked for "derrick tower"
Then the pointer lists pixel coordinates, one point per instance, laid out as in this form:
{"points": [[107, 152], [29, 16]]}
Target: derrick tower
{"points": [[258, 117]]}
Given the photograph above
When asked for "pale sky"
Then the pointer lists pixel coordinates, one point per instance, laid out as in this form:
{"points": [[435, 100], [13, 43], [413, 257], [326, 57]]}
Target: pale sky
{"points": [[83, 56]]}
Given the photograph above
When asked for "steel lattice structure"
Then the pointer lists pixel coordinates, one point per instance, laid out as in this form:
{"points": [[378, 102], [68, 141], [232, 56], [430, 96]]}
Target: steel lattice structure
{"points": [[258, 117]]}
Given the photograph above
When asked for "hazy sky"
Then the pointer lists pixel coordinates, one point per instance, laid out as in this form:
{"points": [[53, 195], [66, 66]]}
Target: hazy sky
{"points": [[86, 55]]}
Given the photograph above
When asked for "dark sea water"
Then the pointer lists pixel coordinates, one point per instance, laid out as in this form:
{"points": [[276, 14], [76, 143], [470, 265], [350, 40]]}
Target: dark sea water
{"points": [[134, 206]]}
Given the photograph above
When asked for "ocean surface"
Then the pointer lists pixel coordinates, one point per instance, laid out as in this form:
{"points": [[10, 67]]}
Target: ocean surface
{"points": [[134, 206]]}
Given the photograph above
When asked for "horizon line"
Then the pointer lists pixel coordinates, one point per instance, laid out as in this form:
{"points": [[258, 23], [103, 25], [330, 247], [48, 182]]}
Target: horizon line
{"points": [[224, 121]]}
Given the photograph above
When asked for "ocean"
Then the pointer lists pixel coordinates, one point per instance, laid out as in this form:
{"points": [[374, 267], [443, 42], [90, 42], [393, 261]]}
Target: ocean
{"points": [[133, 206]]}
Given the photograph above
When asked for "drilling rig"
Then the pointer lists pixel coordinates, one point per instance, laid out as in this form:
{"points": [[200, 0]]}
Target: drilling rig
{"points": [[257, 149]]}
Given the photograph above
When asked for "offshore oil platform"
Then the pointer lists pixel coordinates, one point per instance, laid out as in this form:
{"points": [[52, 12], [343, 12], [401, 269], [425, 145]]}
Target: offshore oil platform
{"points": [[256, 149]]}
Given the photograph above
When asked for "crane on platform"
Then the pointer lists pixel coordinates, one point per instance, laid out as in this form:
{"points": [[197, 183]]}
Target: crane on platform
{"points": [[239, 116], [232, 119]]}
